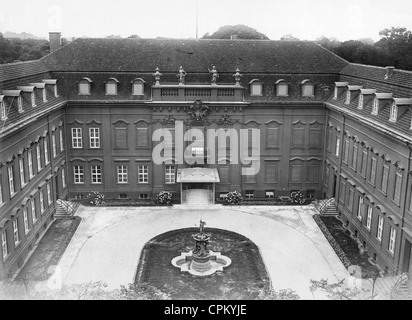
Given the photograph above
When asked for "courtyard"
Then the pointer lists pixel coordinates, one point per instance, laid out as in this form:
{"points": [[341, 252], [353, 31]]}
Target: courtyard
{"points": [[107, 244]]}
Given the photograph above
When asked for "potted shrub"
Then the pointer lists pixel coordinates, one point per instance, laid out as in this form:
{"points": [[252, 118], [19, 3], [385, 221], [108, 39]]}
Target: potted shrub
{"points": [[164, 197], [95, 198], [234, 198]]}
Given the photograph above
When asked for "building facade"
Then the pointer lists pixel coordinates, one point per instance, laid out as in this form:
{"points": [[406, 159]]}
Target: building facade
{"points": [[90, 111]]}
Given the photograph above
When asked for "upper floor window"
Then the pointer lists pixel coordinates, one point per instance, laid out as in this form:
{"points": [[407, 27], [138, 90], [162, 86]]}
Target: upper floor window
{"points": [[85, 86], [380, 228], [111, 86], [46, 151], [22, 175], [30, 163], [170, 174], [38, 156], [347, 100], [54, 149], [4, 245], [138, 87], [337, 146], [360, 208], [16, 232], [77, 141], [33, 99], [385, 176], [122, 174], [143, 174], [282, 88], [397, 188], [78, 172], [255, 87], [392, 240], [394, 113], [372, 175], [307, 88], [61, 140], [48, 190], [335, 93], [19, 104], [369, 218], [11, 180], [360, 103], [94, 134], [63, 178], [96, 174]]}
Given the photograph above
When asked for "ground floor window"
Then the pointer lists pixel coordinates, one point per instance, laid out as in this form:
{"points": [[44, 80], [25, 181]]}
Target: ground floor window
{"points": [[78, 174], [143, 174], [170, 174], [96, 174], [143, 196], [270, 194], [249, 194]]}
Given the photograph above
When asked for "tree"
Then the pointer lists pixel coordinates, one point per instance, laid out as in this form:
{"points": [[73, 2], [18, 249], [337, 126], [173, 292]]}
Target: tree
{"points": [[289, 37], [336, 291], [133, 36], [282, 294], [240, 31]]}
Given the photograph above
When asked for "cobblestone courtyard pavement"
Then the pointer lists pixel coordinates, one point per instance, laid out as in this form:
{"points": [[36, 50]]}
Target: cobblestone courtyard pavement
{"points": [[107, 245]]}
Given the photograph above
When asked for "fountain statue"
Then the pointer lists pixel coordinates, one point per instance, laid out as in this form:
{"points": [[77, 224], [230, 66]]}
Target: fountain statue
{"points": [[201, 261]]}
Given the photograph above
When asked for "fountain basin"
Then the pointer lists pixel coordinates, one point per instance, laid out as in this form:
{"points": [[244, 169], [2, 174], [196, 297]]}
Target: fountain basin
{"points": [[201, 266]]}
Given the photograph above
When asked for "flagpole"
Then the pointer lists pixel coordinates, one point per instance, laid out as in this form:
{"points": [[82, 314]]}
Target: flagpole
{"points": [[197, 20]]}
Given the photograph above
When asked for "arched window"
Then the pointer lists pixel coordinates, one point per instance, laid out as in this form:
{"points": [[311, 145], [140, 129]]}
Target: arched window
{"points": [[255, 87], [307, 88], [394, 113], [282, 88], [85, 86], [111, 87], [138, 87]]}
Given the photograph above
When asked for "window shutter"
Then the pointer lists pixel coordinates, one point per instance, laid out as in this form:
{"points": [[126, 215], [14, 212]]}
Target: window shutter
{"points": [[298, 137], [271, 171], [273, 137], [313, 173], [315, 138], [296, 173], [142, 137], [121, 137]]}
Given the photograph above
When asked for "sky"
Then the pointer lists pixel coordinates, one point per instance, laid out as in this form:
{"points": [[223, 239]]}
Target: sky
{"points": [[304, 19]]}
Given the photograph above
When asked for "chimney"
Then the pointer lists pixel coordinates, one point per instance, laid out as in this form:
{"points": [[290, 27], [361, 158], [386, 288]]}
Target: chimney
{"points": [[389, 72], [55, 40]]}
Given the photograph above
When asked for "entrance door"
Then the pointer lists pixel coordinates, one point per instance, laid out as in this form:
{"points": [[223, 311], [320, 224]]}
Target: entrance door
{"points": [[335, 181], [407, 258], [56, 181]]}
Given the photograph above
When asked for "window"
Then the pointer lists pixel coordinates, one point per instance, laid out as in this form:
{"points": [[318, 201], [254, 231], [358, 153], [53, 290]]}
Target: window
{"points": [[120, 135], [394, 113], [46, 151], [372, 176], [369, 219], [392, 240], [63, 179], [94, 134], [78, 174], [282, 89], [142, 139], [355, 156], [44, 94], [26, 221], [364, 163], [54, 150], [1, 191], [30, 163], [312, 173], [222, 195], [22, 178], [33, 210], [11, 180], [250, 194], [143, 196], [55, 91], [346, 151], [84, 86], [4, 244], [138, 88], [170, 174], [77, 142], [375, 107], [269, 194], [48, 189], [360, 207], [3, 112], [335, 93], [33, 99], [256, 88], [307, 88], [380, 228], [61, 140], [41, 197], [350, 202], [122, 174], [96, 174], [342, 192], [271, 172], [38, 155], [397, 189], [143, 172], [20, 104], [16, 235], [347, 100], [385, 174], [111, 86], [337, 146], [360, 103]]}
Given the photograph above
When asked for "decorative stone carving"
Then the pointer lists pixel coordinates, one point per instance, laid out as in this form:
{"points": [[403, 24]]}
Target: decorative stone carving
{"points": [[237, 76], [168, 120], [198, 111], [157, 76], [225, 120]]}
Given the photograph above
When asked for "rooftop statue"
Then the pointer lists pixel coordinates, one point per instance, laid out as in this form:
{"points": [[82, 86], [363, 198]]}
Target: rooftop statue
{"points": [[215, 75], [181, 75]]}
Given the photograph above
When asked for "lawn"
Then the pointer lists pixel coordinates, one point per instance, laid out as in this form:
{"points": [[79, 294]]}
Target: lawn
{"points": [[245, 278]]}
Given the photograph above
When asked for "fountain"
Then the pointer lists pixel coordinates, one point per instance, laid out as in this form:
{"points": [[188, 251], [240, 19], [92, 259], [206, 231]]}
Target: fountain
{"points": [[201, 261]]}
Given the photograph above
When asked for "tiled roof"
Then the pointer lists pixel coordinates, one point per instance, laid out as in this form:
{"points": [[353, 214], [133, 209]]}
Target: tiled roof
{"points": [[144, 55], [18, 70], [399, 77]]}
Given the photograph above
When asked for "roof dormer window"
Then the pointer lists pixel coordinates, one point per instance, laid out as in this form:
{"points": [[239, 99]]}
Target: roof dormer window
{"points": [[335, 93], [349, 95], [307, 88], [111, 87], [347, 100], [394, 113], [3, 113], [41, 86], [360, 103], [33, 99], [85, 86], [375, 106], [52, 82], [339, 88], [256, 87], [138, 87], [282, 88]]}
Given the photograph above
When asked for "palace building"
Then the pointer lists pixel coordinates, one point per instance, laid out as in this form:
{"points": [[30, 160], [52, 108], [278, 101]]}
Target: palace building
{"points": [[82, 119]]}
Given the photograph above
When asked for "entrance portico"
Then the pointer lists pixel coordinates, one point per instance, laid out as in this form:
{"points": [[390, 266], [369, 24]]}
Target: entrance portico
{"points": [[199, 181]]}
